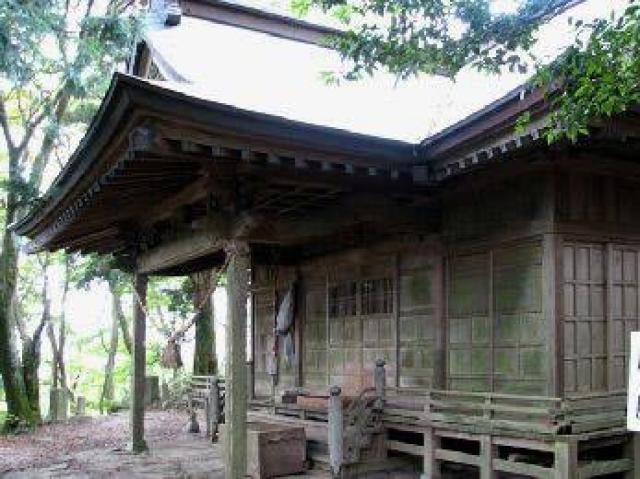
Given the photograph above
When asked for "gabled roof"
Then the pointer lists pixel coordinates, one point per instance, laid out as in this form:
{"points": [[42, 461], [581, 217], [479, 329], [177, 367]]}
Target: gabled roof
{"points": [[131, 102], [273, 74]]}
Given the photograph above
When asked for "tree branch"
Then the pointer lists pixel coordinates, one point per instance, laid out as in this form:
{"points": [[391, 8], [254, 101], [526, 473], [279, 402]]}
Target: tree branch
{"points": [[48, 142], [4, 123]]}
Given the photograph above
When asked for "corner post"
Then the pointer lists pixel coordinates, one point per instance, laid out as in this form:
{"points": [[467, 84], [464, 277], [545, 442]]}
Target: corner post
{"points": [[380, 381], [235, 436], [566, 459], [335, 430], [138, 444], [431, 466]]}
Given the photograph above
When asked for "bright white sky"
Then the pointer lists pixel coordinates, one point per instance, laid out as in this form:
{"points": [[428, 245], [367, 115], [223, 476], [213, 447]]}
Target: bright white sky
{"points": [[272, 75]]}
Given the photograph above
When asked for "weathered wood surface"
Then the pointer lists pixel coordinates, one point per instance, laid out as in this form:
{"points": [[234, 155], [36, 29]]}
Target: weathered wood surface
{"points": [[236, 373], [274, 450], [336, 430], [138, 443]]}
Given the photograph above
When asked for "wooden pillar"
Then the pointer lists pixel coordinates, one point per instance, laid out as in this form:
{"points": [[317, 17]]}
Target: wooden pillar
{"points": [[138, 443], [566, 459], [486, 457], [235, 436], [335, 430], [553, 311], [380, 381], [214, 408], [431, 467]]}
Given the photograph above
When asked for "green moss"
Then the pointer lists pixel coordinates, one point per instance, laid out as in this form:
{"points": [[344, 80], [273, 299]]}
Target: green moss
{"points": [[532, 363]]}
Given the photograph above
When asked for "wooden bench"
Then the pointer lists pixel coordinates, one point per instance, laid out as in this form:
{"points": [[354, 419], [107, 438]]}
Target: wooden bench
{"points": [[208, 393]]}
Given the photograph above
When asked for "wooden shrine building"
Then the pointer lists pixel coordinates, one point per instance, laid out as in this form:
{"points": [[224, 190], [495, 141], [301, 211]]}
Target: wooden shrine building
{"points": [[497, 277]]}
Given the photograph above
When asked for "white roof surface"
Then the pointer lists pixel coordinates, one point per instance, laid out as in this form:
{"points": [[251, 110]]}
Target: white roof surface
{"points": [[263, 73]]}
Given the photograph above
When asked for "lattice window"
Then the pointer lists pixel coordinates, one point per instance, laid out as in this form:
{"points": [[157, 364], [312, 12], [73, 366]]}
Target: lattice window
{"points": [[585, 352], [624, 309], [376, 296], [342, 299]]}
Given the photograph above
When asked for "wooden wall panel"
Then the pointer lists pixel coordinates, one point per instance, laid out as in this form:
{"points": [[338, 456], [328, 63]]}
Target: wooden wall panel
{"points": [[624, 310], [496, 328], [270, 286], [469, 327], [584, 318], [263, 329], [417, 321], [314, 345], [596, 202], [361, 323], [519, 333], [480, 213]]}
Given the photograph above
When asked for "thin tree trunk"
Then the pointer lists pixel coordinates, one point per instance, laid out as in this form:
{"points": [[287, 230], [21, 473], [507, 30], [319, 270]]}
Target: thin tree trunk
{"points": [[121, 318], [54, 348], [15, 394], [62, 370], [204, 358], [107, 386], [31, 350], [58, 369]]}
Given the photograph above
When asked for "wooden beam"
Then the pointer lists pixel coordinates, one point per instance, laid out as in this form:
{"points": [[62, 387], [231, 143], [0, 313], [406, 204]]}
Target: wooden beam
{"points": [[277, 230], [165, 208], [236, 372], [181, 250], [138, 443], [251, 18]]}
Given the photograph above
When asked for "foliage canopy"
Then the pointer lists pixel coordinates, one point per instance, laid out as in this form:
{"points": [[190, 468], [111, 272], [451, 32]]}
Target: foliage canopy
{"points": [[598, 76]]}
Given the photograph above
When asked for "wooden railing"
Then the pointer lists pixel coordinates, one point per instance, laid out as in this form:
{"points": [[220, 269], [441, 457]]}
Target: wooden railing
{"points": [[495, 412], [491, 411], [591, 412], [351, 429]]}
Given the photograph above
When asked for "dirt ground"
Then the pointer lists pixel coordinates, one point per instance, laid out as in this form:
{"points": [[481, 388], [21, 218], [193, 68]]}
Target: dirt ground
{"points": [[96, 448]]}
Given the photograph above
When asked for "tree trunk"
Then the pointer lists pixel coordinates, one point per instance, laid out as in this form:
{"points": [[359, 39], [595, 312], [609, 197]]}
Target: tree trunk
{"points": [[58, 368], [62, 370], [54, 362], [18, 408], [120, 317], [107, 386], [204, 358], [30, 366], [31, 353]]}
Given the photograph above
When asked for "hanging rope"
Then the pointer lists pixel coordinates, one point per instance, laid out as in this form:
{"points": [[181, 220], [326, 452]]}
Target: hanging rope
{"points": [[171, 357]]}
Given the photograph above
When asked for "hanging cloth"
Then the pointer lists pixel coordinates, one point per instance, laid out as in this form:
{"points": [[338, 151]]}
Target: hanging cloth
{"points": [[284, 323], [285, 317]]}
